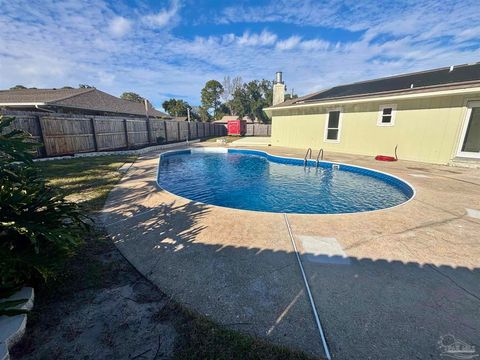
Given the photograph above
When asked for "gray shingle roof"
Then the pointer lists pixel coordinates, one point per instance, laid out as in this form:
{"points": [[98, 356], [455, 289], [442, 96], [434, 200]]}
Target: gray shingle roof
{"points": [[38, 95], [87, 99]]}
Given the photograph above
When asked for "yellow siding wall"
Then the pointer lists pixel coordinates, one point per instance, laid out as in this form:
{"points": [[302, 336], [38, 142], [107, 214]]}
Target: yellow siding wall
{"points": [[426, 130]]}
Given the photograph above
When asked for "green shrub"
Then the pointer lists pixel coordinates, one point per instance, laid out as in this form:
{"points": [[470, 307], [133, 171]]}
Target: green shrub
{"points": [[39, 229]]}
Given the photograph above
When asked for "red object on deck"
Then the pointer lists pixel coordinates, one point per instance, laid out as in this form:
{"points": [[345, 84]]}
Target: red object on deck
{"points": [[237, 127], [385, 158]]}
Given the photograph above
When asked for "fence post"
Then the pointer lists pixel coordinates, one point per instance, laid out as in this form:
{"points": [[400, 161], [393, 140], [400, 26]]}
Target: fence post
{"points": [[94, 132], [126, 132], [178, 127], [149, 131], [165, 130], [253, 129], [41, 133]]}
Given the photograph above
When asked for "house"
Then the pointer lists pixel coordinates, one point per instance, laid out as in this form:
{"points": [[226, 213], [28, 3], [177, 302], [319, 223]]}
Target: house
{"points": [[432, 116], [88, 101]]}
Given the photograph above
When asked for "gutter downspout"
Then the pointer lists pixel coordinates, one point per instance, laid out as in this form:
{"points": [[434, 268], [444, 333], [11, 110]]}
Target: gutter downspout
{"points": [[39, 108]]}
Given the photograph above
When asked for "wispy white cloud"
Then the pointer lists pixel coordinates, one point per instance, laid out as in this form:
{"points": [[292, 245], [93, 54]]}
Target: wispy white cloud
{"points": [[290, 43], [261, 39], [71, 42], [468, 34], [315, 44], [301, 12], [119, 26], [164, 17]]}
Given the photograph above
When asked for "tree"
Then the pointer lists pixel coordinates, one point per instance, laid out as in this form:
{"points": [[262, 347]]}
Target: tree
{"points": [[18, 87], [203, 114], [223, 109], [289, 96], [229, 87], [211, 95], [195, 113], [240, 103], [252, 98], [131, 96], [176, 107], [85, 86], [265, 90]]}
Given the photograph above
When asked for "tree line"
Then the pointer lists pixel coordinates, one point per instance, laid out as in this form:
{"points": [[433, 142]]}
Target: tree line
{"points": [[232, 96]]}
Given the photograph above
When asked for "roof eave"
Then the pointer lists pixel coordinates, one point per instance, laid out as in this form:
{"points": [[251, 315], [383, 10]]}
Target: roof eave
{"points": [[24, 104], [406, 93]]}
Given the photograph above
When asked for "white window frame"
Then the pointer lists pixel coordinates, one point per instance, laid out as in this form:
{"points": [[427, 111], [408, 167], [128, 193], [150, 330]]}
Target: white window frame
{"points": [[466, 121], [327, 116], [380, 114]]}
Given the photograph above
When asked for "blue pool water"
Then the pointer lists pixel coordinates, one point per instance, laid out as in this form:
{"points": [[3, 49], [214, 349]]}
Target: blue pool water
{"points": [[249, 181]]}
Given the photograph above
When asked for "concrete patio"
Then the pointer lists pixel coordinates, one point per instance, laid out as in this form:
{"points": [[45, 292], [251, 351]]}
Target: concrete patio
{"points": [[387, 284], [252, 141]]}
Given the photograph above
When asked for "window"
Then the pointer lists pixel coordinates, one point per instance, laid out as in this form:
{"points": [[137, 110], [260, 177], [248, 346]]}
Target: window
{"points": [[332, 129], [386, 115], [470, 141]]}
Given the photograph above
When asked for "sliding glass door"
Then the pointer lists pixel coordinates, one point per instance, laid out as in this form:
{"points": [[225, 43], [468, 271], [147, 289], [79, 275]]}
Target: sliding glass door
{"points": [[470, 141]]}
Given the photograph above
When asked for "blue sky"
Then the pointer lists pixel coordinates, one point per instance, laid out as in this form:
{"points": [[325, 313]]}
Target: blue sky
{"points": [[163, 49]]}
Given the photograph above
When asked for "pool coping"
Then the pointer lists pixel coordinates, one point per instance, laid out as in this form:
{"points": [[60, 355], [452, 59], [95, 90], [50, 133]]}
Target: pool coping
{"points": [[267, 155]]}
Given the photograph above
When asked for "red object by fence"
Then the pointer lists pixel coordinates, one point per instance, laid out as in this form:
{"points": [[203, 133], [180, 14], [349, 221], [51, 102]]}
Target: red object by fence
{"points": [[385, 158], [237, 127]]}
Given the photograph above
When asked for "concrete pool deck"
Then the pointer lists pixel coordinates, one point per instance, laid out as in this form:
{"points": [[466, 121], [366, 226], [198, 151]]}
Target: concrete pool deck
{"points": [[387, 284], [252, 141]]}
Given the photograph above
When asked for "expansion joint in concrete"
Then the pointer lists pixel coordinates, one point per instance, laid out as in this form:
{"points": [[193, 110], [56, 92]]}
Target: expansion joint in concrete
{"points": [[309, 293]]}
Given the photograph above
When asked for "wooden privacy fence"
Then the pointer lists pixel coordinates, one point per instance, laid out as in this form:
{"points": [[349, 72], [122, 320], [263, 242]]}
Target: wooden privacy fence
{"points": [[258, 130], [254, 129], [63, 134]]}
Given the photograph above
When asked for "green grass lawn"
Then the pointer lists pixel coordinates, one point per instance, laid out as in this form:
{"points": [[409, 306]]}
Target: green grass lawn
{"points": [[85, 180], [88, 181]]}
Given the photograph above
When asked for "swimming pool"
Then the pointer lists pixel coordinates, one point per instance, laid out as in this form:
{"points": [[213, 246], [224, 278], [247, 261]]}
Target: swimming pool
{"points": [[255, 180]]}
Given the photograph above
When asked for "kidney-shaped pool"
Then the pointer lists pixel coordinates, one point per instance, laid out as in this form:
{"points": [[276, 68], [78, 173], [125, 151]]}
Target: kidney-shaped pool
{"points": [[255, 180]]}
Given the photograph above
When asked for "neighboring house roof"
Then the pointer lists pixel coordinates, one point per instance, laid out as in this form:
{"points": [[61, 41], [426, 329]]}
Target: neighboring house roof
{"points": [[180, 118], [426, 81], [226, 118], [90, 99]]}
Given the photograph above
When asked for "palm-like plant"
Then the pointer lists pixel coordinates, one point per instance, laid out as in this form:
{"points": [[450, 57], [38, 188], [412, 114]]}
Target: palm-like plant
{"points": [[39, 229]]}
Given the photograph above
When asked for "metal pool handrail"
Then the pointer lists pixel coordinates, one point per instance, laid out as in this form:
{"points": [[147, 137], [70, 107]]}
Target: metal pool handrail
{"points": [[309, 150], [319, 153]]}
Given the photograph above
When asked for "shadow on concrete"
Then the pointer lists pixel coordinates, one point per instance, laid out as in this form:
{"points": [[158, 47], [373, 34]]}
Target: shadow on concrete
{"points": [[374, 309]]}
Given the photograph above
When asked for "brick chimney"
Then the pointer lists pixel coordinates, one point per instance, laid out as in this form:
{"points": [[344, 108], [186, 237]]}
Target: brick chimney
{"points": [[278, 89]]}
